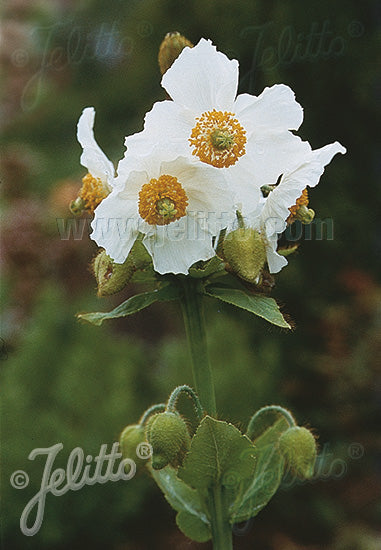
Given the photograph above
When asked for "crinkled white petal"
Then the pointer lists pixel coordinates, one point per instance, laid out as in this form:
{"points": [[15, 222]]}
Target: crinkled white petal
{"points": [[275, 261], [276, 208], [267, 158], [275, 108], [176, 246], [93, 158], [202, 78], [115, 226], [166, 124]]}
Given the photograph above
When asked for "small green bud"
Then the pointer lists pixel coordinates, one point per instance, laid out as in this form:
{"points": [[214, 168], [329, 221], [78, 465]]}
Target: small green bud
{"points": [[140, 256], [170, 49], [110, 276], [245, 251], [77, 206], [305, 215], [169, 437], [298, 446], [129, 441]]}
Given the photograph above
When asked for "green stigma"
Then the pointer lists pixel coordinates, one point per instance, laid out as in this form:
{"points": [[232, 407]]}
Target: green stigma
{"points": [[222, 139], [166, 208]]}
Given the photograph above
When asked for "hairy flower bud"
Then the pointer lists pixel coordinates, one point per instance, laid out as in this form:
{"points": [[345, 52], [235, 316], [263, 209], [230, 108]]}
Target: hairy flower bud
{"points": [[129, 440], [245, 251], [168, 434], [171, 47], [110, 276], [298, 446]]}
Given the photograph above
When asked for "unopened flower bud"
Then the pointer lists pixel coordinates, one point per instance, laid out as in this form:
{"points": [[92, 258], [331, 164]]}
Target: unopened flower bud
{"points": [[170, 49], [110, 276], [298, 446], [129, 441], [245, 251], [168, 435]]}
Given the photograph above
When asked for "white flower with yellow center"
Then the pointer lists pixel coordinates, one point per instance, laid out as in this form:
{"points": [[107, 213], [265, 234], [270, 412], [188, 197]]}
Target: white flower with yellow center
{"points": [[178, 205], [277, 208], [248, 137], [100, 179]]}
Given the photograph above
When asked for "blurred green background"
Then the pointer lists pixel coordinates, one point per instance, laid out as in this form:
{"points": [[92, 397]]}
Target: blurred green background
{"points": [[62, 381]]}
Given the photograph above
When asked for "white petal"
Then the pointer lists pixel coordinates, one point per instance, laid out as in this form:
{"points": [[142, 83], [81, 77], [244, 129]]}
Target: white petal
{"points": [[167, 124], [276, 108], [115, 226], [276, 209], [93, 158], [202, 78], [275, 261], [176, 246]]}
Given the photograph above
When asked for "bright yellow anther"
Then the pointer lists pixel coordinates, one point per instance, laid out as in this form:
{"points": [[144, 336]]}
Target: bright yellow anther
{"points": [[162, 201], [92, 192], [218, 138]]}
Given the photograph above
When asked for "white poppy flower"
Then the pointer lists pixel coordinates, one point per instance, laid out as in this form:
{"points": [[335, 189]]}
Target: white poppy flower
{"points": [[99, 180], [247, 136], [178, 205], [275, 209]]}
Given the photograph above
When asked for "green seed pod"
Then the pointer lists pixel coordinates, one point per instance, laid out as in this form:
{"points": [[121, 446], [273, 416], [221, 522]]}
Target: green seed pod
{"points": [[129, 441], [170, 49], [298, 446], [110, 276], [245, 251], [168, 434]]}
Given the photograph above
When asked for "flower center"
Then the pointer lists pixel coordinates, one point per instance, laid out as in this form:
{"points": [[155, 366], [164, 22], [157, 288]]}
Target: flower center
{"points": [[92, 192], [301, 202], [218, 138], [162, 201]]}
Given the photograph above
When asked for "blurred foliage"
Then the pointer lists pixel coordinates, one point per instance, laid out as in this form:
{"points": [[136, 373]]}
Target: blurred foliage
{"points": [[66, 382]]}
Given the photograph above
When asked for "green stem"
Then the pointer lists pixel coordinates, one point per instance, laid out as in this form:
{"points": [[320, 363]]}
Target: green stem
{"points": [[221, 529], [269, 410], [149, 412], [172, 401], [193, 313]]}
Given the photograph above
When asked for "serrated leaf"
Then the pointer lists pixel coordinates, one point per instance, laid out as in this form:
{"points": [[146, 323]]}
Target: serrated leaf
{"points": [[179, 495], [267, 476], [132, 305], [219, 454], [193, 527], [263, 306]]}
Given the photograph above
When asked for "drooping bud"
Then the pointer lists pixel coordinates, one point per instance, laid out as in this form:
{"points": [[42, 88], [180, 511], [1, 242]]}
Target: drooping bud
{"points": [[110, 276], [245, 251], [298, 446], [168, 435], [129, 441], [170, 49]]}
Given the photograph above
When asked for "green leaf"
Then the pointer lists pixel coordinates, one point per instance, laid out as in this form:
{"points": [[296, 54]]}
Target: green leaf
{"points": [[179, 495], [267, 477], [264, 307], [202, 269], [219, 454], [193, 527], [132, 305]]}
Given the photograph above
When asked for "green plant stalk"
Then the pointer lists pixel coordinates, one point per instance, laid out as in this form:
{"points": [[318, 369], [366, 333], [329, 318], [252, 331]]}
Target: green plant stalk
{"points": [[193, 313], [194, 320], [222, 536]]}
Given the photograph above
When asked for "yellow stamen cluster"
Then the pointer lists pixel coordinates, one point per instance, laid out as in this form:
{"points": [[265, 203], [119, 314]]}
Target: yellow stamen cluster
{"points": [[162, 201], [218, 138], [301, 201], [92, 192]]}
